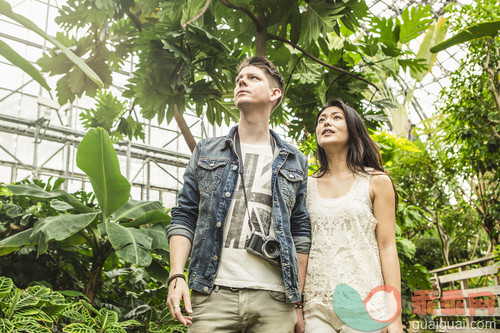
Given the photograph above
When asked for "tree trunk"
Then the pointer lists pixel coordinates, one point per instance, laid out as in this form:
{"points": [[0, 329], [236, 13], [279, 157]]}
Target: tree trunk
{"points": [[94, 282], [261, 37], [185, 130], [445, 239], [260, 50]]}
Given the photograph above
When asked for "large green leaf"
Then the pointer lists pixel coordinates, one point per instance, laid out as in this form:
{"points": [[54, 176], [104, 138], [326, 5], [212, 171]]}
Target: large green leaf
{"points": [[115, 329], [5, 326], [26, 300], [6, 285], [134, 208], [107, 318], [16, 59], [158, 271], [435, 34], [151, 217], [59, 228], [60, 205], [34, 191], [23, 322], [97, 158], [319, 17], [479, 30], [132, 245], [78, 328], [415, 21], [15, 242], [159, 236], [130, 322], [6, 10], [34, 328]]}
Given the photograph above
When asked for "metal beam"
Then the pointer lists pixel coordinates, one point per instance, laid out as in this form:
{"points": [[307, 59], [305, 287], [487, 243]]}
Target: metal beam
{"points": [[74, 137], [77, 176]]}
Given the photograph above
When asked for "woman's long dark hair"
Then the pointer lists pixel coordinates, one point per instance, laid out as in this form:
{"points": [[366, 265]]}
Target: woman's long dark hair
{"points": [[362, 151]]}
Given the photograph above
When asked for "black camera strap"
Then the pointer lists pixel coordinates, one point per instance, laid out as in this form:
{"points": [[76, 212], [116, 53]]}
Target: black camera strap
{"points": [[237, 145]]}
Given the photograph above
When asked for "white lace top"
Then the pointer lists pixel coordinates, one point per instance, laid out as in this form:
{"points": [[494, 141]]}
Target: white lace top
{"points": [[344, 247]]}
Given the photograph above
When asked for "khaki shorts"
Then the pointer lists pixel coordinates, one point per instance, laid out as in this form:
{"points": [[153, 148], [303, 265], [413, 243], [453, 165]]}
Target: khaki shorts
{"points": [[242, 310]]}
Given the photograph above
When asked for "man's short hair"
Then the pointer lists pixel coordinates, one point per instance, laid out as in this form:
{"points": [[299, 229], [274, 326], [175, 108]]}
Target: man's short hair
{"points": [[269, 69]]}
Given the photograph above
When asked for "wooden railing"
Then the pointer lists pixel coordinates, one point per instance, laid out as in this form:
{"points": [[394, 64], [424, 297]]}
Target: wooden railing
{"points": [[468, 300]]}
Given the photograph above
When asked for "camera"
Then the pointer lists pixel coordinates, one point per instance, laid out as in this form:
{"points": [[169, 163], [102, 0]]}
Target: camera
{"points": [[264, 246]]}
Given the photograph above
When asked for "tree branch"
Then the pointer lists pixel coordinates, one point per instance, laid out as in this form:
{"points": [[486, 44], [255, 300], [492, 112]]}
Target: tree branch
{"points": [[135, 18], [495, 133], [291, 73], [338, 69], [200, 14], [472, 203], [256, 21], [491, 78]]}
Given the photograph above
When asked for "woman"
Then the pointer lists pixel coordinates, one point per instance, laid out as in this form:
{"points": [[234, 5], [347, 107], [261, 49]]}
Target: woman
{"points": [[351, 202]]}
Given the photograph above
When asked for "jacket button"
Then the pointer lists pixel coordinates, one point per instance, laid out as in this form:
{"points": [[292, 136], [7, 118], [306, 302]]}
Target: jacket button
{"points": [[228, 194], [216, 258], [218, 224], [291, 175], [235, 167], [205, 289], [212, 163]]}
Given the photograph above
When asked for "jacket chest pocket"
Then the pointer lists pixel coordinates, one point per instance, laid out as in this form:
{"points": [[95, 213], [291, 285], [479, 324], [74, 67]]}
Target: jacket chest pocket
{"points": [[210, 173], [290, 180]]}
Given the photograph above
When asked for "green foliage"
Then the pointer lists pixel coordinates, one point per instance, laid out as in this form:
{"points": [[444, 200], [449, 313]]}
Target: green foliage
{"points": [[18, 214], [6, 10], [129, 237], [40, 309], [75, 80], [470, 114], [157, 321], [187, 53], [110, 111], [478, 30], [97, 158], [434, 34], [17, 60]]}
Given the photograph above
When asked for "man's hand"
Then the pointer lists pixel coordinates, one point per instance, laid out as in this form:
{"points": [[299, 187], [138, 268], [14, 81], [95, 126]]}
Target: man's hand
{"points": [[300, 325], [178, 291]]}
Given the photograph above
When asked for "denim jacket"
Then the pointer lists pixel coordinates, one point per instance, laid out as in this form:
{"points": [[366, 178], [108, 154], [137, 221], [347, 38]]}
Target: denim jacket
{"points": [[204, 200]]}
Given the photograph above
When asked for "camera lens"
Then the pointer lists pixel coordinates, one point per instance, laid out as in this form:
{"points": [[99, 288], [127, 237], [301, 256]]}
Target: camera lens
{"points": [[271, 248]]}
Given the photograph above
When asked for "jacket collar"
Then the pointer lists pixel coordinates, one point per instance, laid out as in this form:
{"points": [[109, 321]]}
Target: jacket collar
{"points": [[228, 141]]}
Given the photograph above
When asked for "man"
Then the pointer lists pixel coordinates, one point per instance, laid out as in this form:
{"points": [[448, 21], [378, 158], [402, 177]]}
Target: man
{"points": [[241, 217]]}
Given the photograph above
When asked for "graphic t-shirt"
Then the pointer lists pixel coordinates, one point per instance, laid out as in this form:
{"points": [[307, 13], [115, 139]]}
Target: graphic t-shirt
{"points": [[239, 268]]}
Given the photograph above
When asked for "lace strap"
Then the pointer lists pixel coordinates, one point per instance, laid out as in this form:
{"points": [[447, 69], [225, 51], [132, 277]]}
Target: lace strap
{"points": [[361, 188]]}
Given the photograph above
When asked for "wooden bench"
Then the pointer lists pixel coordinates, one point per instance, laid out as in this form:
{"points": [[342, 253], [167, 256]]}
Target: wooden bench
{"points": [[445, 290]]}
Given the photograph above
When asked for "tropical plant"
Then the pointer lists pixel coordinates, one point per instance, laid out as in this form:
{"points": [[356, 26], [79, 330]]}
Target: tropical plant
{"points": [[117, 228], [10, 54], [391, 74], [475, 31], [187, 52], [59, 268], [28, 310], [470, 114], [39, 309]]}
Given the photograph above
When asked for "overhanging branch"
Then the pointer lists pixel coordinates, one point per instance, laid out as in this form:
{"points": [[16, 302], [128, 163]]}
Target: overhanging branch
{"points": [[258, 24], [200, 14], [319, 61]]}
